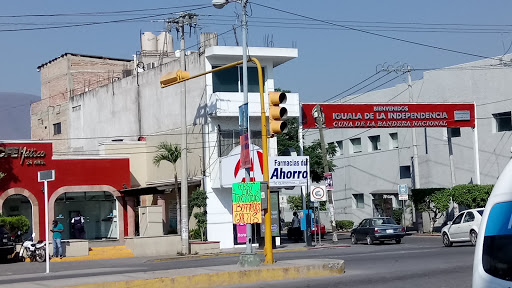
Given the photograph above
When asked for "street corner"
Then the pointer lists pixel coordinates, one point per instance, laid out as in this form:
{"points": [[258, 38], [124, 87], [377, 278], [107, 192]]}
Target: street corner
{"points": [[233, 275]]}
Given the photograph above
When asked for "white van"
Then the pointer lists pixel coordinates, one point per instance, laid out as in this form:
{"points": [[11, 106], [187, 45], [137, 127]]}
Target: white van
{"points": [[492, 266]]}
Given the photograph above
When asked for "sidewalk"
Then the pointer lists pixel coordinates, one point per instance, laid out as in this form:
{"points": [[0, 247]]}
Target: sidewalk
{"points": [[204, 277]]}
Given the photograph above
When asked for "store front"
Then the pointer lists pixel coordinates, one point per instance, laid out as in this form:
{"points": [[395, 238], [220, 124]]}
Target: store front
{"points": [[89, 186]]}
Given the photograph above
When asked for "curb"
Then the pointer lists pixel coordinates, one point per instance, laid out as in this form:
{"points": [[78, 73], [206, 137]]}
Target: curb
{"points": [[323, 268], [425, 235]]}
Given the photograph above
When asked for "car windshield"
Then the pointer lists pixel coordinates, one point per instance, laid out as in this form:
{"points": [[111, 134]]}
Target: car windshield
{"points": [[497, 251], [380, 221], [481, 212]]}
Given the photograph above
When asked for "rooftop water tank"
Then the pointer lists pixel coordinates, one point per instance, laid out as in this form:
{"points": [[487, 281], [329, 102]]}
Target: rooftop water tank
{"points": [[164, 42], [148, 41]]}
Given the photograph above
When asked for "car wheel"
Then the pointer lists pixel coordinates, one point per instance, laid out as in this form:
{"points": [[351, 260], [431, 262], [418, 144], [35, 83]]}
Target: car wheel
{"points": [[398, 241], [369, 240], [322, 235], [473, 236], [354, 240], [446, 240]]}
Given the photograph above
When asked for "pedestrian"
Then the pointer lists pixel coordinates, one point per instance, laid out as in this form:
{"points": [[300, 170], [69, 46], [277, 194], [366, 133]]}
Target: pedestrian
{"points": [[77, 223], [57, 230], [296, 227]]}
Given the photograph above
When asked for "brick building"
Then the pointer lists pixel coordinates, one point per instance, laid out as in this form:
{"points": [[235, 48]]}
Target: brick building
{"points": [[63, 77]]}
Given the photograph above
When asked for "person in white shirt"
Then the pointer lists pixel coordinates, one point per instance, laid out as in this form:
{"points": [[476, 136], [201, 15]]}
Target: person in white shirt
{"points": [[296, 227]]}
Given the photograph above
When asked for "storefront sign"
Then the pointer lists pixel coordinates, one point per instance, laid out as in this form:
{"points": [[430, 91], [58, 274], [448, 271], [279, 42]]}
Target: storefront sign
{"points": [[232, 171], [246, 203], [241, 233], [392, 115], [28, 156], [287, 171]]}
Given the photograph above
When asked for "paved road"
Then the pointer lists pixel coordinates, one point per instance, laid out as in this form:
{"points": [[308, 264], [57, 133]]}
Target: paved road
{"points": [[419, 262], [416, 262]]}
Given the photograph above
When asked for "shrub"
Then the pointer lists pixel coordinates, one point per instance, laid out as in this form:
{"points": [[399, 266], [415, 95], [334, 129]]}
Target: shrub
{"points": [[397, 215], [195, 234], [15, 224], [344, 225]]}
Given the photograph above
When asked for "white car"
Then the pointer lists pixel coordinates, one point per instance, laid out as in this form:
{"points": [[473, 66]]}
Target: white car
{"points": [[464, 228]]}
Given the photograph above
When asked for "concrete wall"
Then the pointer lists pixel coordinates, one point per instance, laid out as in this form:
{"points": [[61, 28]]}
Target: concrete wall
{"points": [[367, 172], [153, 246]]}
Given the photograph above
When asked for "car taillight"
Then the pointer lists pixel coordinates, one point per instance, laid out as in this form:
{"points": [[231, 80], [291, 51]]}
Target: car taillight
{"points": [[377, 231], [402, 229]]}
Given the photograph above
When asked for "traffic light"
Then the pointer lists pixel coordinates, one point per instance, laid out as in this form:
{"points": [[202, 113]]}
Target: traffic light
{"points": [[173, 77], [276, 113]]}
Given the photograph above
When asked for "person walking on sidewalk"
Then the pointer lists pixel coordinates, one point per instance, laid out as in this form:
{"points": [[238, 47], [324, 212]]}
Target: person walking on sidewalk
{"points": [[296, 227], [57, 230]]}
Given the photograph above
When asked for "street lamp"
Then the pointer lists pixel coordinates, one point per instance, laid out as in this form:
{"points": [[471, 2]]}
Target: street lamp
{"points": [[219, 4]]}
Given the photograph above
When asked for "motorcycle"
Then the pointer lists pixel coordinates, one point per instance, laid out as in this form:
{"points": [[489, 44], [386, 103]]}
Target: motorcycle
{"points": [[35, 251]]}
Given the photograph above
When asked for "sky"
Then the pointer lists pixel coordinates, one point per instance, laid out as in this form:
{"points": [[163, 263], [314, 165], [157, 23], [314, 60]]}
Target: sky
{"points": [[331, 58]]}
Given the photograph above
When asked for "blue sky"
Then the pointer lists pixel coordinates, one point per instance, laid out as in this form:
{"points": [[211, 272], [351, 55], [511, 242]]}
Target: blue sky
{"points": [[330, 60]]}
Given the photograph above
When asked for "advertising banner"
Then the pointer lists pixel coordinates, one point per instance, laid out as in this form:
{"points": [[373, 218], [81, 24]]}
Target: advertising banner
{"points": [[246, 203], [287, 171], [328, 181], [386, 115]]}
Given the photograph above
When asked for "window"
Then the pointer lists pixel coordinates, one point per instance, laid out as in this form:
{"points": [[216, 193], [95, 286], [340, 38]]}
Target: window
{"points": [[374, 143], [231, 80], [455, 132], [496, 250], [228, 139], [469, 217], [393, 143], [359, 198], [503, 121], [356, 145], [481, 212], [458, 219], [340, 147], [405, 172], [57, 129], [364, 223]]}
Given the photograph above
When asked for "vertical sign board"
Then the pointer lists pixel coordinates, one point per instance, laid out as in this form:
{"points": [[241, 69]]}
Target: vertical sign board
{"points": [[246, 203], [274, 215], [45, 176], [241, 233], [403, 192], [329, 185], [243, 126]]}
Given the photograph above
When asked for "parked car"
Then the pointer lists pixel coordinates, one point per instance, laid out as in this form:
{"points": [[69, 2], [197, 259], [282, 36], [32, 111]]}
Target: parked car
{"points": [[463, 228], [377, 229], [315, 229], [7, 247]]}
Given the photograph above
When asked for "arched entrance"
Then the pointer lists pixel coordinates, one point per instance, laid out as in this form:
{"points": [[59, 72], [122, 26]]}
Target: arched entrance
{"points": [[100, 206], [18, 201], [18, 205]]}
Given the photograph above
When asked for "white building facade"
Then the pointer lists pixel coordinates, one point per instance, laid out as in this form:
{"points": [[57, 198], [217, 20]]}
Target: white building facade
{"points": [[371, 163]]}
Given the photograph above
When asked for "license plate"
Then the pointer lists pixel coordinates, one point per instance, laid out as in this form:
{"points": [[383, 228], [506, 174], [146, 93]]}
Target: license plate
{"points": [[5, 240], [389, 231]]}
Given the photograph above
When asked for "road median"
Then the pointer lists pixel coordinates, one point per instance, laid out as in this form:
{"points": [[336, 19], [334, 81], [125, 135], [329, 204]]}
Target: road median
{"points": [[217, 276]]}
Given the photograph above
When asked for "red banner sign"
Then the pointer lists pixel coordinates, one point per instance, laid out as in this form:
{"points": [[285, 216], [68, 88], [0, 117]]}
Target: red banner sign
{"points": [[409, 115]]}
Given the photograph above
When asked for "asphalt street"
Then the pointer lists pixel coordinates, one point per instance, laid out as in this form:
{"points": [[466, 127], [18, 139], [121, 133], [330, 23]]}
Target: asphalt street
{"points": [[417, 262]]}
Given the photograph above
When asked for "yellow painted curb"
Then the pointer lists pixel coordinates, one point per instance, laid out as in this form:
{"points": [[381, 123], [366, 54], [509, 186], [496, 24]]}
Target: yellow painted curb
{"points": [[263, 274]]}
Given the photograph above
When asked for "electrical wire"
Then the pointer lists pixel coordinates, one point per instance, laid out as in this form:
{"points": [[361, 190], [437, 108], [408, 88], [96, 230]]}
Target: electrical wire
{"points": [[346, 90], [97, 13], [94, 23], [377, 34]]}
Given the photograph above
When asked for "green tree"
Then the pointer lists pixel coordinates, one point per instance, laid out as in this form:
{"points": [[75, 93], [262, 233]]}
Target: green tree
{"points": [[15, 224], [170, 153], [198, 200], [316, 162], [295, 203], [471, 196], [289, 139], [435, 204]]}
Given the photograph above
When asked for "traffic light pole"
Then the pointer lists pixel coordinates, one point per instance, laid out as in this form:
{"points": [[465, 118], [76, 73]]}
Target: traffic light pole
{"points": [[269, 253]]}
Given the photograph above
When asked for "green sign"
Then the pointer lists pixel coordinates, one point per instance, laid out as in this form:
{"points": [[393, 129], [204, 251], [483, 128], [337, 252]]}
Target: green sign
{"points": [[246, 192], [247, 203]]}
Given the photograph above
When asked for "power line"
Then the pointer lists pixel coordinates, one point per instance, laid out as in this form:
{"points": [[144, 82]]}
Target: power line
{"points": [[97, 13], [374, 87], [342, 92], [377, 34], [94, 23]]}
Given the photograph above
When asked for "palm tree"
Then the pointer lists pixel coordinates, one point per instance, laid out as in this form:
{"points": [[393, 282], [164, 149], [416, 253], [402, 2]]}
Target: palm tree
{"points": [[171, 153]]}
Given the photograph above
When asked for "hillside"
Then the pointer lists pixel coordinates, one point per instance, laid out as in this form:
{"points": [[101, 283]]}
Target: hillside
{"points": [[15, 115]]}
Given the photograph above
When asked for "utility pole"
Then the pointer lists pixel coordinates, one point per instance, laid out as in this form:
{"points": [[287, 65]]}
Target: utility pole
{"points": [[414, 142], [304, 189], [180, 22], [320, 119], [452, 167]]}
